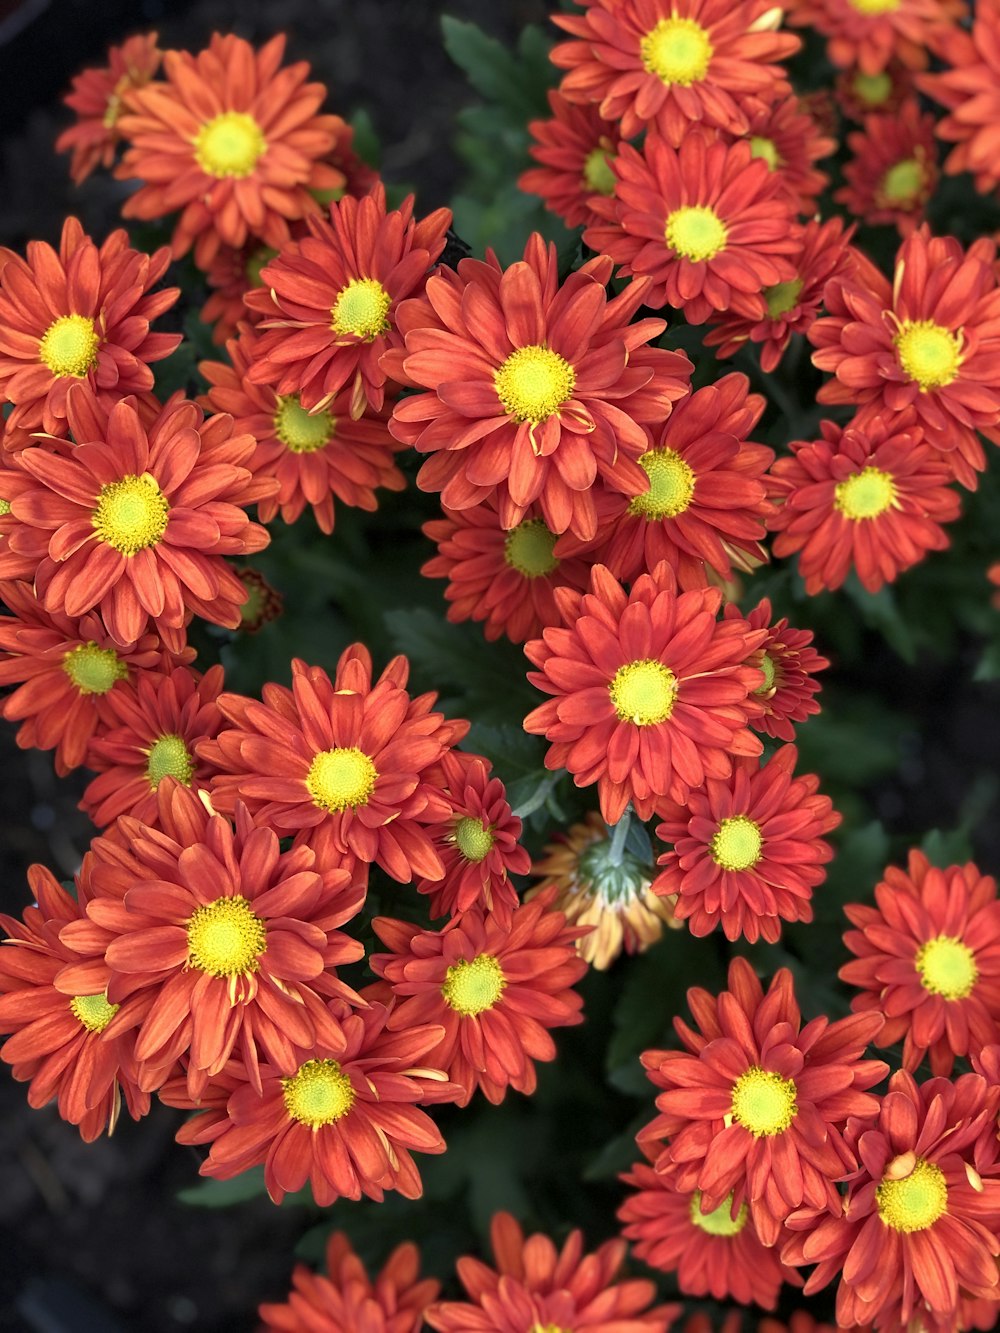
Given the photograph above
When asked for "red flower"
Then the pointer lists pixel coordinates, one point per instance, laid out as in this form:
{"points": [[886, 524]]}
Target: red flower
{"points": [[788, 138], [860, 95], [263, 602], [535, 388], [928, 960], [536, 1286], [970, 90], [871, 33], [788, 664], [231, 274], [755, 1107], [575, 149], [894, 169], [872, 496], [81, 316], [97, 96], [652, 694]]}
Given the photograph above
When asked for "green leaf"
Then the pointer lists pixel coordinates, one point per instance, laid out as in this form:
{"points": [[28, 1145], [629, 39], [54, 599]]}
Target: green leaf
{"points": [[225, 1193]]}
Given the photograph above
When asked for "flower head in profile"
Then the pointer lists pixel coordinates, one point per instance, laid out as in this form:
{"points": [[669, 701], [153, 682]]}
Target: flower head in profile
{"points": [[97, 97], [893, 171], [789, 663], [574, 150]]}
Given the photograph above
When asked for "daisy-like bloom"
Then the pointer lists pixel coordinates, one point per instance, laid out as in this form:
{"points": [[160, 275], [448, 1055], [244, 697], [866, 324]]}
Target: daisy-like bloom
{"points": [[605, 888], [494, 991], [717, 1253], [894, 171], [328, 304], [870, 497], [930, 342], [755, 1107], [232, 943], [64, 670], [869, 34], [860, 95], [704, 505], [822, 252], [673, 63], [150, 728], [575, 149], [263, 603], [927, 957], [790, 141], [342, 764], [921, 1215], [77, 316], [652, 693], [345, 1299], [970, 90], [231, 141], [747, 851], [346, 1121], [96, 97], [533, 388], [312, 456], [537, 1287], [505, 579], [230, 276], [59, 1046], [789, 664], [139, 520], [707, 222]]}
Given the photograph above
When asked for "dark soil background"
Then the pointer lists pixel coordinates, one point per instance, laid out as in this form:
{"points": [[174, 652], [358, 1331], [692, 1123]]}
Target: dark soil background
{"points": [[92, 1238]]}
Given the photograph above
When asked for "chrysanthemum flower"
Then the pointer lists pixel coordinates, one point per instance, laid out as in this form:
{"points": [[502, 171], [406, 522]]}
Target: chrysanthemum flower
{"points": [[263, 602], [605, 888], [535, 1286], [871, 496], [341, 764], [230, 276], [705, 502], [920, 1219], [345, 1299], [140, 520], [533, 388], [970, 90], [871, 33], [97, 96], [894, 169], [755, 1107], [791, 142], [706, 222], [860, 95], [574, 148], [930, 342], [19, 565], [328, 306], [313, 456], [822, 252], [928, 959], [505, 579], [747, 851], [789, 664], [717, 1253], [59, 1043], [673, 63], [652, 694], [79, 316], [495, 991], [230, 140]]}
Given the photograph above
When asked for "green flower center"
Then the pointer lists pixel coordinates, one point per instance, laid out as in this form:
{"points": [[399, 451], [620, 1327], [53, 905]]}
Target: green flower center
{"points": [[782, 297], [528, 549], [94, 670], [169, 757], [720, 1221], [93, 1011], [302, 432], [473, 840], [597, 173]]}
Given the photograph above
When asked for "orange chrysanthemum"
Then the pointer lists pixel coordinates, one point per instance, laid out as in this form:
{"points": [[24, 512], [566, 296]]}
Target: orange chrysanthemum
{"points": [[791, 142], [970, 90], [673, 63], [652, 693], [533, 388], [97, 97], [789, 664], [859, 95], [894, 169], [871, 33], [263, 602], [232, 141], [707, 222], [79, 316], [574, 148]]}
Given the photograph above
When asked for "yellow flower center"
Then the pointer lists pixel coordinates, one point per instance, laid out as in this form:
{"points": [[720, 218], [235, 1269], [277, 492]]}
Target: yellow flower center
{"points": [[872, 89], [782, 297], [341, 779], [299, 431], [677, 50], [915, 1202], [947, 967], [226, 938], [928, 353], [229, 145], [94, 670], [904, 182], [865, 495], [169, 757], [473, 839], [93, 1011], [765, 148], [533, 383], [318, 1094], [4, 507], [256, 262], [720, 1221], [695, 232], [766, 664], [763, 1102], [870, 8], [528, 549], [69, 346], [549, 1328], [131, 514], [738, 844], [361, 309], [643, 692], [597, 173], [671, 485], [470, 988]]}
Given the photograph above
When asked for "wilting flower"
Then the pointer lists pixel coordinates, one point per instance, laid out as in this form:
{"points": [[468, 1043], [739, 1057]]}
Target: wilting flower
{"points": [[970, 90], [894, 169], [789, 664], [574, 149], [871, 33], [97, 97]]}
